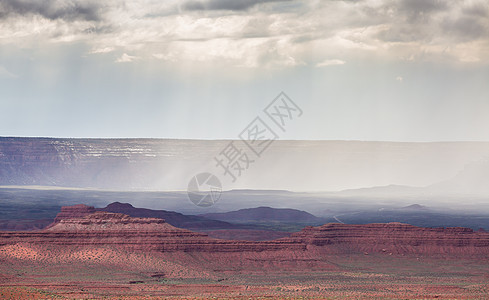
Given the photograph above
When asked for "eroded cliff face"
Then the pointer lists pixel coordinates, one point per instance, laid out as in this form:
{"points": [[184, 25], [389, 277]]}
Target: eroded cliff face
{"points": [[80, 225], [74, 212], [395, 238], [91, 163]]}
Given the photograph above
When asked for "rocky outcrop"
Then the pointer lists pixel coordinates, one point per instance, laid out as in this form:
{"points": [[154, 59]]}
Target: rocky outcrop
{"points": [[74, 212], [80, 226], [145, 234], [395, 238]]}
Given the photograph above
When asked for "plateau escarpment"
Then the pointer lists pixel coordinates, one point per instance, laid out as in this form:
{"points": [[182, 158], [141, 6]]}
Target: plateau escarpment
{"points": [[165, 164], [100, 163]]}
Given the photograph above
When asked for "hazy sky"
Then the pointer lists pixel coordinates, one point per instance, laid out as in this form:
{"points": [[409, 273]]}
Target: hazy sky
{"points": [[406, 70]]}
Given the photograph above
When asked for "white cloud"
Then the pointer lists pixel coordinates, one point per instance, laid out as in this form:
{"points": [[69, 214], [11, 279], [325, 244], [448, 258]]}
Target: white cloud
{"points": [[126, 58], [102, 50], [330, 62], [265, 34], [165, 56]]}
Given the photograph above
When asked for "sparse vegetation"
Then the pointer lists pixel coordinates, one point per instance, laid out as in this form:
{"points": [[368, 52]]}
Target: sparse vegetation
{"points": [[115, 273]]}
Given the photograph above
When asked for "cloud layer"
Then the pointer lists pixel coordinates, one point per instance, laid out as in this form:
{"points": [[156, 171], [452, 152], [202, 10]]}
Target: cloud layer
{"points": [[256, 33], [51, 9], [224, 4]]}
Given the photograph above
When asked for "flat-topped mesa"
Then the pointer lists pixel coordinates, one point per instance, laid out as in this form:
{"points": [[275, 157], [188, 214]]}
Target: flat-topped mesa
{"points": [[142, 234], [76, 226], [74, 212], [395, 238], [104, 221]]}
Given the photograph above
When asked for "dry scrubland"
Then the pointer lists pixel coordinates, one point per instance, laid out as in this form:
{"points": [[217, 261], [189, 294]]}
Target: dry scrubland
{"points": [[100, 255], [47, 272]]}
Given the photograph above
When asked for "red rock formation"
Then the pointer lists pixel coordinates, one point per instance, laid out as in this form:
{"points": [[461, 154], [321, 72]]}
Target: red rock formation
{"points": [[396, 238], [76, 226], [147, 234], [74, 212]]}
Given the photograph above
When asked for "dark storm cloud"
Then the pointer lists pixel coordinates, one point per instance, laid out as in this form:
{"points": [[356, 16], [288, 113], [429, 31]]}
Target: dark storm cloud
{"points": [[477, 10], [466, 28], [225, 4], [51, 9], [405, 34], [417, 8], [426, 20]]}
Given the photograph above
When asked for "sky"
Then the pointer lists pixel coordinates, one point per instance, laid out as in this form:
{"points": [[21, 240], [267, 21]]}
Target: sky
{"points": [[404, 70]]}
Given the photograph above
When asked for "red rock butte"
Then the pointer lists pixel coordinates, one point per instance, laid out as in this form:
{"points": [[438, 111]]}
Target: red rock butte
{"points": [[81, 225]]}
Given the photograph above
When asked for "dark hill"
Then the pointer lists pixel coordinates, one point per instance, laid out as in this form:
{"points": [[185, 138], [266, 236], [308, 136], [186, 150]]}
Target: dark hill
{"points": [[265, 214], [171, 217]]}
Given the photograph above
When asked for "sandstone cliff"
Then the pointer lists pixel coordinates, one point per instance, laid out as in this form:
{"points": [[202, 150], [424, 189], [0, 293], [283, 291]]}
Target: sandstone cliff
{"points": [[82, 226], [395, 238], [79, 225]]}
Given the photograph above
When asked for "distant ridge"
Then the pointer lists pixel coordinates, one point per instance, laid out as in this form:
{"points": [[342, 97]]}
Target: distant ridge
{"points": [[171, 217], [415, 207], [264, 214]]}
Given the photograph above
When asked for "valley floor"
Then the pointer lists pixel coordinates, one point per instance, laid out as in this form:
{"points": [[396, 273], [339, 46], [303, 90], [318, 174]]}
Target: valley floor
{"points": [[111, 274]]}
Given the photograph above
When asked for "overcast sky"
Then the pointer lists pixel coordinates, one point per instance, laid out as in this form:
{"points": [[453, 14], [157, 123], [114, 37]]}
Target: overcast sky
{"points": [[406, 70]]}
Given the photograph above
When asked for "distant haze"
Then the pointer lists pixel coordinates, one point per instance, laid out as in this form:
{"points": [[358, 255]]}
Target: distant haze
{"points": [[156, 164]]}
